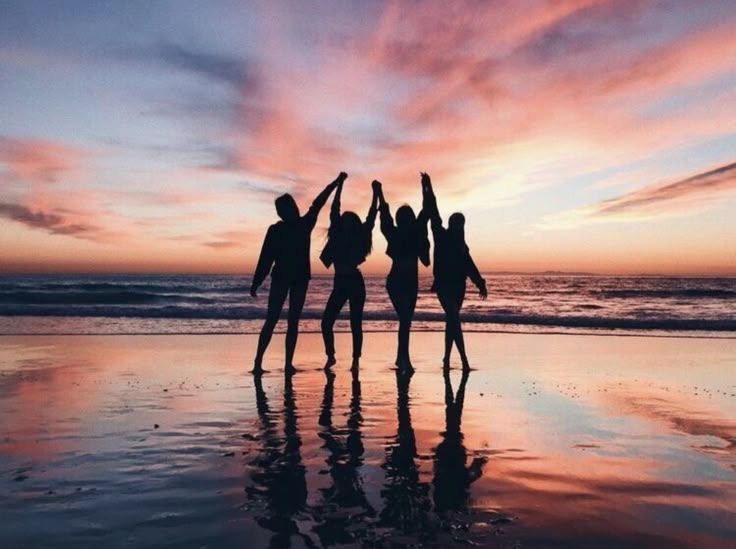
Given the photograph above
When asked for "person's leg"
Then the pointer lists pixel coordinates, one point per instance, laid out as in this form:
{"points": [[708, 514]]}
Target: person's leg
{"points": [[451, 303], [459, 339], [394, 294], [403, 295], [410, 306], [357, 303], [276, 298], [334, 304], [449, 335], [297, 295]]}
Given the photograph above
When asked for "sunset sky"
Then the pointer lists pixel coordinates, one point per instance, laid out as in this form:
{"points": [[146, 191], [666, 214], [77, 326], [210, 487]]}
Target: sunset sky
{"points": [[575, 135]]}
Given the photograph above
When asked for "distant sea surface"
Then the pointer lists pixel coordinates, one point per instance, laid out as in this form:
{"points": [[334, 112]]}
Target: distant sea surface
{"points": [[156, 304]]}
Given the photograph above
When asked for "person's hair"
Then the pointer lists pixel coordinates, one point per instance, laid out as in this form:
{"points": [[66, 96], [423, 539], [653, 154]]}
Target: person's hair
{"points": [[350, 234], [405, 216], [286, 207], [456, 225]]}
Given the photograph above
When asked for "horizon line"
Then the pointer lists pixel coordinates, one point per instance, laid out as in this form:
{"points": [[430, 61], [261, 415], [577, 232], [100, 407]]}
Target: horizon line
{"points": [[547, 272]]}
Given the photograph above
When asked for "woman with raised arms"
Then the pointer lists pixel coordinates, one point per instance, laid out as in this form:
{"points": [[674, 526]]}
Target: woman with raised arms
{"points": [[407, 243], [349, 241]]}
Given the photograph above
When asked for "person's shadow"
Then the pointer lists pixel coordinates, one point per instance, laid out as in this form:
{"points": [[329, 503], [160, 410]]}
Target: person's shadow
{"points": [[344, 506], [279, 483], [452, 478]]}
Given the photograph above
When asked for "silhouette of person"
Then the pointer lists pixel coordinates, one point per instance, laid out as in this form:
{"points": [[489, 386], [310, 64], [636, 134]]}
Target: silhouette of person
{"points": [[349, 243], [452, 479], [280, 476], [286, 248], [452, 266], [407, 242], [345, 457]]}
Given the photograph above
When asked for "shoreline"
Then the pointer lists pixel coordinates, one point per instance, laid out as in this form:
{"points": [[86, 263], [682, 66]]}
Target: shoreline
{"points": [[375, 331]]}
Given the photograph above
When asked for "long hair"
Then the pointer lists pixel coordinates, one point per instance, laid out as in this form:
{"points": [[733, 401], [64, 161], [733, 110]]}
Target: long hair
{"points": [[349, 238]]}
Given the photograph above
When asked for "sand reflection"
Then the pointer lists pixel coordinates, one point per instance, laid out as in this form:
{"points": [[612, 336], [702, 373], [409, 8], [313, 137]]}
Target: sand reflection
{"points": [[552, 440]]}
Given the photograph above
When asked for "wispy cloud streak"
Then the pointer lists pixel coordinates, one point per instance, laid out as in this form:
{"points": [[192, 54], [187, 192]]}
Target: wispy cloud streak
{"points": [[663, 200], [51, 222]]}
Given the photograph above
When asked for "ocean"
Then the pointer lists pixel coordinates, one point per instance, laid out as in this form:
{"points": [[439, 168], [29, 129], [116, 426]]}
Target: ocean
{"points": [[182, 304]]}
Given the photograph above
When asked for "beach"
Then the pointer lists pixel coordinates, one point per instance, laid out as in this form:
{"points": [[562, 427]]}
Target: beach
{"points": [[551, 440]]}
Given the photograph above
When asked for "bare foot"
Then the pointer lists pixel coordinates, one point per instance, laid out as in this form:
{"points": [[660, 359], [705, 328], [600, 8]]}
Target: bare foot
{"points": [[257, 367], [330, 361], [289, 369]]}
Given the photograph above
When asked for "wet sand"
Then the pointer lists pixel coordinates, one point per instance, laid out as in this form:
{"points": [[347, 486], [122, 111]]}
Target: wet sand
{"points": [[552, 440]]}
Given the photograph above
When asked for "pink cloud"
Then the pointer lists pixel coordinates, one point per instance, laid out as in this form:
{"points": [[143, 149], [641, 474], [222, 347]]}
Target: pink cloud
{"points": [[453, 99], [38, 161]]}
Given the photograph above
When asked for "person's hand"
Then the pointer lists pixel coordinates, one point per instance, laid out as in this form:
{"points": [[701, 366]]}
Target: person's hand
{"points": [[425, 179], [376, 186], [483, 291], [342, 177], [253, 291]]}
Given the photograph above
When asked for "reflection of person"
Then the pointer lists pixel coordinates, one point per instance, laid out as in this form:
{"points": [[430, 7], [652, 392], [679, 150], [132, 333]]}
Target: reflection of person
{"points": [[345, 457], [407, 243], [452, 479], [280, 477], [286, 247], [452, 266], [349, 242], [406, 497]]}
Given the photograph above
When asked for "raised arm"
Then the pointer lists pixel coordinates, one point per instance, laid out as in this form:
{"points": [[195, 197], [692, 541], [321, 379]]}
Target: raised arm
{"points": [[370, 219], [265, 261], [423, 242], [311, 216], [429, 202], [387, 222], [335, 209]]}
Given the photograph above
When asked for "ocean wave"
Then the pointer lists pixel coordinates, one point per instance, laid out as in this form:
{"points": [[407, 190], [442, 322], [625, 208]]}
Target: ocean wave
{"points": [[112, 287], [257, 313], [77, 297], [565, 302], [675, 293]]}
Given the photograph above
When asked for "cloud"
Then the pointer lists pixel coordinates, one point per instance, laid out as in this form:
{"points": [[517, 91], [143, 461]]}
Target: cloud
{"points": [[37, 160], [52, 222], [233, 239], [687, 195], [490, 102], [215, 67], [703, 186], [223, 244]]}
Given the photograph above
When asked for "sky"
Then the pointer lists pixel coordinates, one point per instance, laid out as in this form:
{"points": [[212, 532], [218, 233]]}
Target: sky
{"points": [[575, 135]]}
